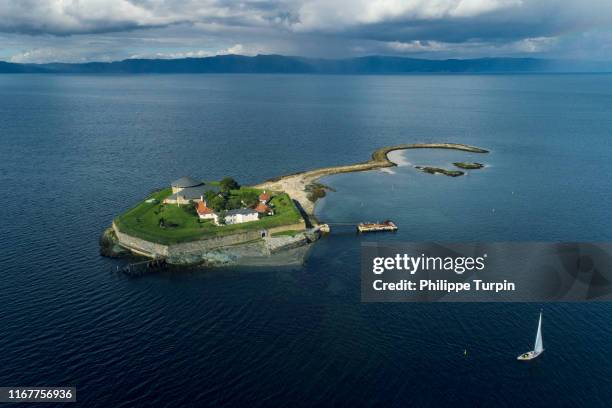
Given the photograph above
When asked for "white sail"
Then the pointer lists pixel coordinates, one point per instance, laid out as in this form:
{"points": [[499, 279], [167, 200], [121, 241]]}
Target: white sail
{"points": [[539, 347]]}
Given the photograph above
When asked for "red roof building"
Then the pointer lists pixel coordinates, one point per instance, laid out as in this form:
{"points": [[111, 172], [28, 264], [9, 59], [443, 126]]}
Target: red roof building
{"points": [[262, 208], [264, 197], [203, 210]]}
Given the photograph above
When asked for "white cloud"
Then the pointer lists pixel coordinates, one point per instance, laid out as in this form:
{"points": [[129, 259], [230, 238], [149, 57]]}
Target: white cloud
{"points": [[52, 54], [535, 45], [471, 8], [73, 16], [417, 46], [237, 49], [65, 17], [335, 15]]}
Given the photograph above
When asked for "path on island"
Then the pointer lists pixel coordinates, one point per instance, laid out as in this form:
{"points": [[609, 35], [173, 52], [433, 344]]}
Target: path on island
{"points": [[295, 184]]}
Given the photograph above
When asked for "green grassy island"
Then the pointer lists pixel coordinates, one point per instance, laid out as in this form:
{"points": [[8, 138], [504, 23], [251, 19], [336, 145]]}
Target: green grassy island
{"points": [[156, 220], [222, 223], [469, 165]]}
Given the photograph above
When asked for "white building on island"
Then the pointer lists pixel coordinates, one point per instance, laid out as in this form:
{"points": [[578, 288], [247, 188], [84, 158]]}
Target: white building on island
{"points": [[241, 215], [205, 212], [187, 190], [237, 216]]}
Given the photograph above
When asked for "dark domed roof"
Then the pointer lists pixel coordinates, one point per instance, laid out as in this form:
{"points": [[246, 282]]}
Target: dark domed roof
{"points": [[185, 182]]}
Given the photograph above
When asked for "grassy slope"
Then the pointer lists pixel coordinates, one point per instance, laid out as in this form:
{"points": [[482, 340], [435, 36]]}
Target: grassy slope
{"points": [[286, 233], [142, 221]]}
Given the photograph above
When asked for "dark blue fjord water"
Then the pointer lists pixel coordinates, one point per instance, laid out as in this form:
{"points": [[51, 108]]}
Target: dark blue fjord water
{"points": [[78, 150]]}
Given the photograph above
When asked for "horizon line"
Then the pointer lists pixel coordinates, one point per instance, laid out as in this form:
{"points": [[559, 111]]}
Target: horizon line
{"points": [[556, 59]]}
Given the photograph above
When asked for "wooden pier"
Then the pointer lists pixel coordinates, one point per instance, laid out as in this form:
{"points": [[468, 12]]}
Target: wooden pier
{"points": [[387, 225], [376, 226], [143, 267]]}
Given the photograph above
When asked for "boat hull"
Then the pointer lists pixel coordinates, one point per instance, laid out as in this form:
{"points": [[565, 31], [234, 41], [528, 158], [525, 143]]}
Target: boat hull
{"points": [[530, 355]]}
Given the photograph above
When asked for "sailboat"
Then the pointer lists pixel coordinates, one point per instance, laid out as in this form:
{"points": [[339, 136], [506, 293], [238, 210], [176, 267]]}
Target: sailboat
{"points": [[538, 347]]}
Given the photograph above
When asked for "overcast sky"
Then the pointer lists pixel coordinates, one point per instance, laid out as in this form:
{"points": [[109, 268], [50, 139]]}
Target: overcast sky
{"points": [[103, 30]]}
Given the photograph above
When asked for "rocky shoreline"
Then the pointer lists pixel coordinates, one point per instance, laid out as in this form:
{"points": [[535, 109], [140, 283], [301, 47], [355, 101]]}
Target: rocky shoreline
{"points": [[268, 250]]}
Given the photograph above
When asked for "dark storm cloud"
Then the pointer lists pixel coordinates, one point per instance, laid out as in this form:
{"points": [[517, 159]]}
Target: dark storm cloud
{"points": [[509, 21]]}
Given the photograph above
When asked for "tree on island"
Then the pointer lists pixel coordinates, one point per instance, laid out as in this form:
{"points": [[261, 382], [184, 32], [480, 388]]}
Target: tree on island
{"points": [[234, 202], [217, 203], [228, 184], [248, 197], [209, 195]]}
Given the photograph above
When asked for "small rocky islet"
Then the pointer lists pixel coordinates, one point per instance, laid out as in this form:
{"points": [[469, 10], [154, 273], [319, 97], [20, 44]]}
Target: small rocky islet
{"points": [[469, 165], [439, 170], [451, 173]]}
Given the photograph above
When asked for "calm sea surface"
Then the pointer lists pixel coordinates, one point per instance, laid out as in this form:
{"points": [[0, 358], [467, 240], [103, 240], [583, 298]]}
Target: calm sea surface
{"points": [[78, 150]]}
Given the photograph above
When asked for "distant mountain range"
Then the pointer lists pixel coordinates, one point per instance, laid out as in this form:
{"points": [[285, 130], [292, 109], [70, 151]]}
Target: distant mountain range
{"points": [[299, 65]]}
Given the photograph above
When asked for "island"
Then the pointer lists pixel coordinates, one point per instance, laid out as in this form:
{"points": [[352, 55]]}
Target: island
{"points": [[439, 170], [215, 223], [469, 165]]}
